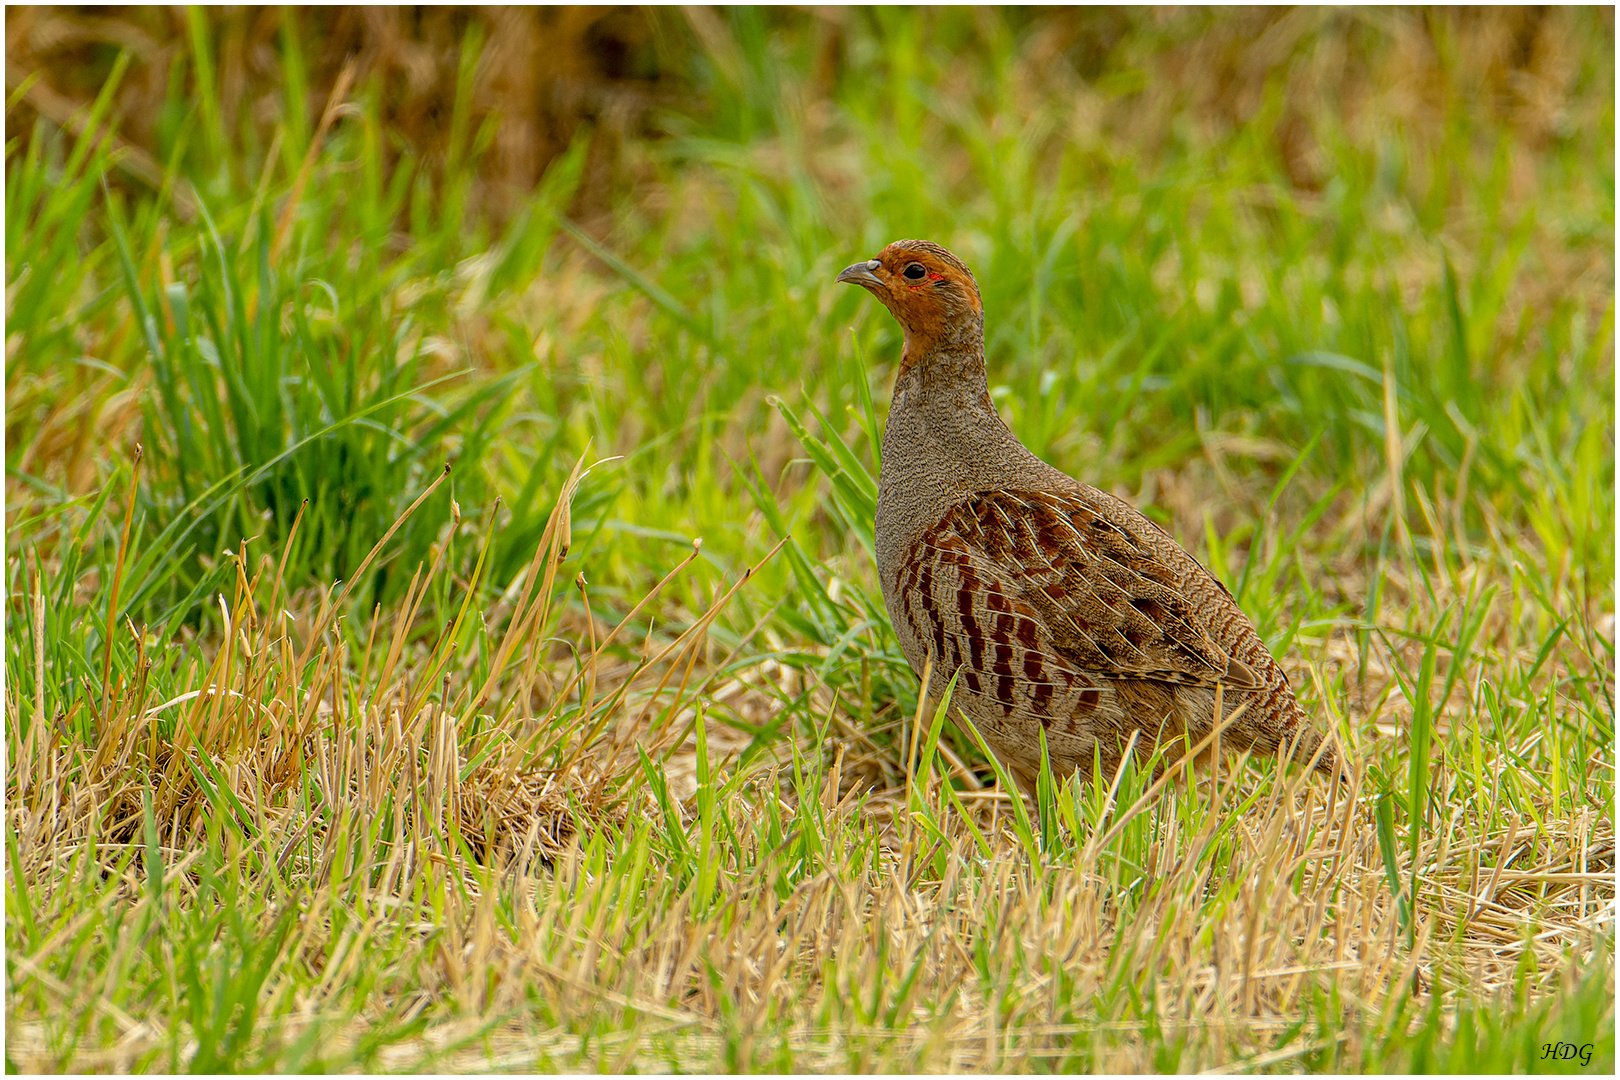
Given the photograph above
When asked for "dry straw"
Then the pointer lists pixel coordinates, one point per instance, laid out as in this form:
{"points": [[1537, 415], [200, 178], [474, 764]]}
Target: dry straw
{"points": [[513, 854]]}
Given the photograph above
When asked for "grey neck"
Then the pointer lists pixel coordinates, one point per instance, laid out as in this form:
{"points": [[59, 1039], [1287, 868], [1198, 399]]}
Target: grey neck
{"points": [[944, 440]]}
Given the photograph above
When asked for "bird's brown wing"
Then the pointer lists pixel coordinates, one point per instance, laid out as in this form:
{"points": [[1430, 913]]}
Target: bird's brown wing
{"points": [[968, 614], [1111, 601]]}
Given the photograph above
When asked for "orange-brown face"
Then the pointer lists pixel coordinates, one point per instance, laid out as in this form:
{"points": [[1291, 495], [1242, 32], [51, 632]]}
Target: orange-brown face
{"points": [[927, 289]]}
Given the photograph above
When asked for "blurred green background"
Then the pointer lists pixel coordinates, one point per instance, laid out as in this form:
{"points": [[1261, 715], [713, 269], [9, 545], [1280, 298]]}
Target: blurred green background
{"points": [[1207, 240]]}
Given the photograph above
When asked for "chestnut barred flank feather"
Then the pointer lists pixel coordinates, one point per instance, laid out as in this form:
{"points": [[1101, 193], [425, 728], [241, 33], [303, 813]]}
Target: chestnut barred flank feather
{"points": [[1062, 610]]}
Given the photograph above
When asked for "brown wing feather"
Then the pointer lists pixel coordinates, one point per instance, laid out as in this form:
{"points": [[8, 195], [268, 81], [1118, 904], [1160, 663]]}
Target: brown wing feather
{"points": [[1109, 601]]}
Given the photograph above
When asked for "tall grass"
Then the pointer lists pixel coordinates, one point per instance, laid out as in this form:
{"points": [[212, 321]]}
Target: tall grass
{"points": [[597, 750]]}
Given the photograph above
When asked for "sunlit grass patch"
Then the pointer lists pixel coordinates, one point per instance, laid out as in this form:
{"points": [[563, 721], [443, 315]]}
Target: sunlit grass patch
{"points": [[318, 757]]}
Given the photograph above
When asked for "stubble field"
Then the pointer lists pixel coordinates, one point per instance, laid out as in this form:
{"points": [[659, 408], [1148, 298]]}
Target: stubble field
{"points": [[442, 630]]}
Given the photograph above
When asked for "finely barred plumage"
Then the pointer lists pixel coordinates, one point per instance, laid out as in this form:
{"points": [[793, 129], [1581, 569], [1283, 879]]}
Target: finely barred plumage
{"points": [[1061, 606]]}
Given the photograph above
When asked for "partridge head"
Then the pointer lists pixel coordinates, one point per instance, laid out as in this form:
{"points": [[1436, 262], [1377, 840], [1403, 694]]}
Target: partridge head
{"points": [[929, 291], [1061, 609]]}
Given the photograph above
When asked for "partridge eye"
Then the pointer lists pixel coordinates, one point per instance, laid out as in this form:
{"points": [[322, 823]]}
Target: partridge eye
{"points": [[915, 272]]}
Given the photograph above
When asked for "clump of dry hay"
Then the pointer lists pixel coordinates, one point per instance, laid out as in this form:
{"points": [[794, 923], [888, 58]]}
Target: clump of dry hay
{"points": [[289, 738]]}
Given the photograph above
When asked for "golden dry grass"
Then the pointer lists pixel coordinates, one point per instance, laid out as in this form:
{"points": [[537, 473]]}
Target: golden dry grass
{"points": [[523, 872], [432, 834]]}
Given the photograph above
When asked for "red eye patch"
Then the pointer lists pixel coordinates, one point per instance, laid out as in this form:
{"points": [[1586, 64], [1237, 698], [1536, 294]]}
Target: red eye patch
{"points": [[936, 277]]}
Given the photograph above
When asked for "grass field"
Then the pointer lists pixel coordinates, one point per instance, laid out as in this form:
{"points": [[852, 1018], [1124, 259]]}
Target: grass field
{"points": [[372, 703]]}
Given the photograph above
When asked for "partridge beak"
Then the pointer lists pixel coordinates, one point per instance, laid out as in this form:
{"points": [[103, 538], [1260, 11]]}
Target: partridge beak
{"points": [[861, 274]]}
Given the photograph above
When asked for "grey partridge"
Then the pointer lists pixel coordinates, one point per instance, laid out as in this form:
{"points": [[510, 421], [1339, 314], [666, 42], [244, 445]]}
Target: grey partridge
{"points": [[1061, 606]]}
